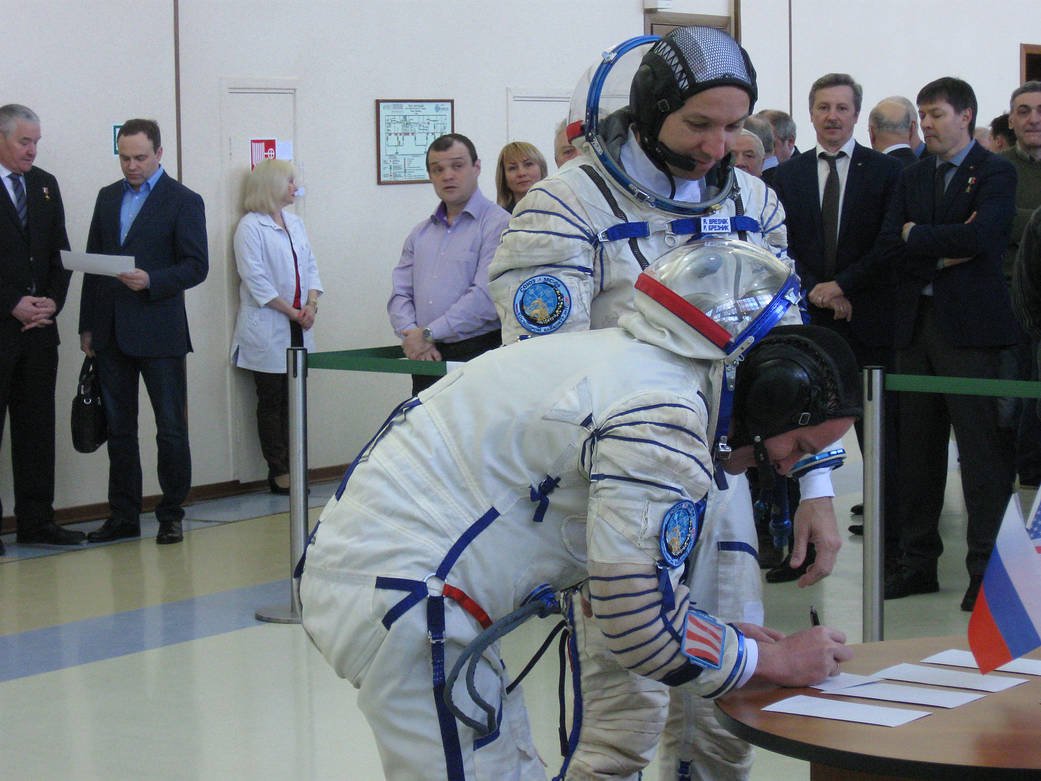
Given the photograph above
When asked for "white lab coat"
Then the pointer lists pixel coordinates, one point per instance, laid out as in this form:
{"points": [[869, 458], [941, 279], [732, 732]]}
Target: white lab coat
{"points": [[265, 265]]}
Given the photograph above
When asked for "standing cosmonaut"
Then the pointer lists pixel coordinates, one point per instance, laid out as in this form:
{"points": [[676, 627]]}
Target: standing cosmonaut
{"points": [[660, 119]]}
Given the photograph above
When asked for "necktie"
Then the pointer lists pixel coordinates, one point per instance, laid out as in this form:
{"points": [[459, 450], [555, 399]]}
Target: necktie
{"points": [[830, 214], [940, 187], [20, 204]]}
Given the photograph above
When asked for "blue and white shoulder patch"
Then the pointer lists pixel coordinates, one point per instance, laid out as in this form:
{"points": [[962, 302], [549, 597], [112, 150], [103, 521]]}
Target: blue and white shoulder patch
{"points": [[679, 531], [542, 304]]}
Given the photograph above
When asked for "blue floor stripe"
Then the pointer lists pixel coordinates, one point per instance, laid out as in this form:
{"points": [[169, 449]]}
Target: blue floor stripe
{"points": [[106, 637]]}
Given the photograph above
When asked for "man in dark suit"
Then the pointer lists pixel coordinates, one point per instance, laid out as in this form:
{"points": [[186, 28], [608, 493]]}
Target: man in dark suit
{"points": [[835, 197], [137, 327], [891, 125], [950, 220], [32, 291]]}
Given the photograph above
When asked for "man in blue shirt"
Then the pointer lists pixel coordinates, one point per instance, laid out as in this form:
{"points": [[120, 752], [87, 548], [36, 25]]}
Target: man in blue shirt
{"points": [[136, 326], [440, 307]]}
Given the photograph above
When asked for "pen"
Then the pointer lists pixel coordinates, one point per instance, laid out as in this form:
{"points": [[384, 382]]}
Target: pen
{"points": [[815, 620]]}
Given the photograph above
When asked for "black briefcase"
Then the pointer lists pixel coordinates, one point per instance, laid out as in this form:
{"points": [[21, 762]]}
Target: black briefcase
{"points": [[89, 430]]}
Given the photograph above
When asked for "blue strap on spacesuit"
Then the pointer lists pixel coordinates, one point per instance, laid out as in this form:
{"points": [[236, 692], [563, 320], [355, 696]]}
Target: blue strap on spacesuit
{"points": [[695, 227], [780, 514], [541, 495], [417, 590], [576, 690], [445, 718]]}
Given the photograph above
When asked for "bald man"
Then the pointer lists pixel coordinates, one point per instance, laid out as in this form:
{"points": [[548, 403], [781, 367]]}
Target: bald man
{"points": [[890, 127]]}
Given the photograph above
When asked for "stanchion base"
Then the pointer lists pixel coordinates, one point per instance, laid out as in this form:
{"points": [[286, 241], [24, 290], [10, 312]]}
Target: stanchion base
{"points": [[278, 614]]}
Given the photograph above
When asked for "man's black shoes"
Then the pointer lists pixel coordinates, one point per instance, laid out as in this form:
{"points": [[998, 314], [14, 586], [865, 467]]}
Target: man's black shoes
{"points": [[113, 529], [49, 534], [904, 582], [169, 532]]}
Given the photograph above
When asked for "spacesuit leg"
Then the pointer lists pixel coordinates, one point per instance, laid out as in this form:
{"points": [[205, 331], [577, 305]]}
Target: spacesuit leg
{"points": [[414, 739], [623, 714], [724, 580]]}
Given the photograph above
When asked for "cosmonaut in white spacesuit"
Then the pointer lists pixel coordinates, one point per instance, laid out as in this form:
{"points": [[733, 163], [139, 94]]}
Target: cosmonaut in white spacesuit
{"points": [[660, 118], [543, 464]]}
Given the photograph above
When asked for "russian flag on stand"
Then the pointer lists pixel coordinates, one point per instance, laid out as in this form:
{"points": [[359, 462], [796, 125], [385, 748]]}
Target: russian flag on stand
{"points": [[1006, 622]]}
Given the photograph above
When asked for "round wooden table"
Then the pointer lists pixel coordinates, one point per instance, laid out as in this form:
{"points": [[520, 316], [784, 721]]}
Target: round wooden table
{"points": [[996, 737]]}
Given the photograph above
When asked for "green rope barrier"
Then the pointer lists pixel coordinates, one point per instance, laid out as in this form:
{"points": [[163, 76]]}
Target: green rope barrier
{"points": [[374, 359], [966, 386], [392, 360]]}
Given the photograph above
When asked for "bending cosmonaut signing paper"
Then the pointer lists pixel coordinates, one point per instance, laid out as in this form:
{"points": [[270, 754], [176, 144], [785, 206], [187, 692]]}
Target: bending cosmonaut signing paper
{"points": [[543, 464], [660, 118]]}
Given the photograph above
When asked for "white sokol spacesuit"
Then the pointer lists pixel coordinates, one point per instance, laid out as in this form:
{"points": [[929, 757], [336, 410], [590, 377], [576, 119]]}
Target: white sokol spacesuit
{"points": [[568, 262], [540, 464]]}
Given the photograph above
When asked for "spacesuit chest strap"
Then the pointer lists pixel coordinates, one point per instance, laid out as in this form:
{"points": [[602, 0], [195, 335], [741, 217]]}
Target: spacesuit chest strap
{"points": [[694, 227], [625, 229], [700, 227]]}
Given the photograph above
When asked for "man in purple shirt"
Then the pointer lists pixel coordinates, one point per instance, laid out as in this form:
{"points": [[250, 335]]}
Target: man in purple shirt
{"points": [[440, 307]]}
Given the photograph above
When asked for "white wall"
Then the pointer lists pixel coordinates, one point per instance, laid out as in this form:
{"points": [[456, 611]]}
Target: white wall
{"points": [[890, 48], [85, 66]]}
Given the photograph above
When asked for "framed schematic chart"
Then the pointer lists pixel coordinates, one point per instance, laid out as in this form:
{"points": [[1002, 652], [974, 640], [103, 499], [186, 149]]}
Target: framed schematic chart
{"points": [[404, 130]]}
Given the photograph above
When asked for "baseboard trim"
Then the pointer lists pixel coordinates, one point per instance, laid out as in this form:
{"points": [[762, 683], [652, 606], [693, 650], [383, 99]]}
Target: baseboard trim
{"points": [[198, 493]]}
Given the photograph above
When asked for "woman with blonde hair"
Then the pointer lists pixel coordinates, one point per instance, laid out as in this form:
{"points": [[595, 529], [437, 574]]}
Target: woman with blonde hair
{"points": [[520, 166], [278, 303]]}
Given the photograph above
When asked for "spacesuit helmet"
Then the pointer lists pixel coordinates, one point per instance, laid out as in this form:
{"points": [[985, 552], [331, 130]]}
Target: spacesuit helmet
{"points": [[797, 376], [729, 292], [639, 83]]}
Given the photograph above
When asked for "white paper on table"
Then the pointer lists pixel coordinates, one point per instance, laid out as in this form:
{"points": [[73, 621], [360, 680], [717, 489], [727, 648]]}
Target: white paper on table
{"points": [[843, 681], [917, 673], [915, 695], [958, 658], [818, 707], [92, 263]]}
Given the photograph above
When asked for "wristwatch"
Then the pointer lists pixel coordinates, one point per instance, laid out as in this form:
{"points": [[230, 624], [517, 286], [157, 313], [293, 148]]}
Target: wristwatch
{"points": [[428, 336], [313, 303]]}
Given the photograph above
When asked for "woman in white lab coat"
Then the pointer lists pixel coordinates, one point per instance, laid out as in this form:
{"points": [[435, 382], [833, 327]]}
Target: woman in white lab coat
{"points": [[278, 303]]}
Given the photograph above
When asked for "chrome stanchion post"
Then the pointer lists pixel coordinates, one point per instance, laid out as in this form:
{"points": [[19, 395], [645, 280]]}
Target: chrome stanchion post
{"points": [[296, 371], [874, 517]]}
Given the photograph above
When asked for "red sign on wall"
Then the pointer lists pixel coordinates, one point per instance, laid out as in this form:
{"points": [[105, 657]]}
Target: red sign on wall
{"points": [[260, 149]]}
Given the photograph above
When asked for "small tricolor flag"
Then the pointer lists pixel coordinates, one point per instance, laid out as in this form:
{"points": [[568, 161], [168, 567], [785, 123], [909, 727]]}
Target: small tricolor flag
{"points": [[1006, 622], [1034, 527], [703, 639]]}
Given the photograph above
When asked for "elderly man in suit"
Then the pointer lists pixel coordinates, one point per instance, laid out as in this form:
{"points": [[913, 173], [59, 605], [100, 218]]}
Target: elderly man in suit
{"points": [[137, 327], [890, 127], [835, 197], [32, 290], [950, 221]]}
